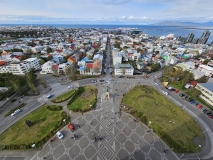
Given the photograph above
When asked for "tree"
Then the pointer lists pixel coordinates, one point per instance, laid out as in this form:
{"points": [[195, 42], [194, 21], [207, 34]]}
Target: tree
{"points": [[41, 42], [29, 51], [49, 50], [25, 56], [206, 61], [188, 76], [71, 73], [96, 70], [155, 66], [41, 61], [30, 79], [203, 79], [55, 71]]}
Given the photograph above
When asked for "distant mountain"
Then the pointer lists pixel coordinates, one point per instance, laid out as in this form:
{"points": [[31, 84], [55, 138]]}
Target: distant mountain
{"points": [[177, 23]]}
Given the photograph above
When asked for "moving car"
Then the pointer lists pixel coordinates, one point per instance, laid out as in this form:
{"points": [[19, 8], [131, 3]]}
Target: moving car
{"points": [[15, 112], [101, 80], [50, 96], [94, 81], [59, 135], [166, 93]]}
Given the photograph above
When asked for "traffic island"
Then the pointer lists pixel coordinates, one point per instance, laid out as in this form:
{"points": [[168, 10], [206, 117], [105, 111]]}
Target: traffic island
{"points": [[35, 129], [175, 127], [83, 100]]}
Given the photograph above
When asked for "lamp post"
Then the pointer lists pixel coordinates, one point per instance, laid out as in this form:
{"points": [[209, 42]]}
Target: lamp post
{"points": [[149, 123], [64, 121], [206, 129], [34, 146], [199, 146]]}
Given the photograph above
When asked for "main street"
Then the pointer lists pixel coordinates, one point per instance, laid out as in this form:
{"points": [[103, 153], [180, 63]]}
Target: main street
{"points": [[34, 102]]}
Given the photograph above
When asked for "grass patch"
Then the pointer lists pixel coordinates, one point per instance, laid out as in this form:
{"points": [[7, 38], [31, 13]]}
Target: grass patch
{"points": [[178, 85], [169, 122], [63, 97], [13, 100], [84, 99], [18, 107], [46, 121]]}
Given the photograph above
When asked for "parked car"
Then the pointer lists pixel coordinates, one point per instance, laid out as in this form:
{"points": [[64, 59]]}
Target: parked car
{"points": [[70, 87], [101, 80], [195, 103], [207, 112], [173, 89], [15, 112], [176, 90], [210, 116], [70, 126], [50, 96], [182, 95], [59, 135]]}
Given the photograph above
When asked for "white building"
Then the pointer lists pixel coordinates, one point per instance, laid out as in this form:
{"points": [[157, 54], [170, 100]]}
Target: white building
{"points": [[62, 68], [123, 69], [47, 68], [117, 58], [21, 68], [206, 69]]}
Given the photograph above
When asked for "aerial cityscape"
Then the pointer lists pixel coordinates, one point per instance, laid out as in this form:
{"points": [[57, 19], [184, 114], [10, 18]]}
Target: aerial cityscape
{"points": [[97, 82]]}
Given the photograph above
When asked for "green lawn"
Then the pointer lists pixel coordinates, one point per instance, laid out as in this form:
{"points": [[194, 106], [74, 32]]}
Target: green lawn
{"points": [[82, 101], [45, 123], [63, 97], [12, 110], [168, 121], [178, 85]]}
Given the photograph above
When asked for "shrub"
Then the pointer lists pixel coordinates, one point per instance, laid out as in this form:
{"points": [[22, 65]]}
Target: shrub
{"points": [[64, 97], [76, 94], [54, 108], [13, 100]]}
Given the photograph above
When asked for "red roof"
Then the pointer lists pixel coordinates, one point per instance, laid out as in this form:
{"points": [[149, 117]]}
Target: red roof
{"points": [[59, 50], [130, 54], [89, 65], [55, 66], [97, 64], [2, 63], [193, 83]]}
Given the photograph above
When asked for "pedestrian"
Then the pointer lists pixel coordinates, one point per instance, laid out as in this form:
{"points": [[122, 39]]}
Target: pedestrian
{"points": [[165, 150], [44, 157]]}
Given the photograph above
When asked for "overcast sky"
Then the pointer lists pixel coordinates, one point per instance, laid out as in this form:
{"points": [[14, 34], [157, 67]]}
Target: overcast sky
{"points": [[104, 11]]}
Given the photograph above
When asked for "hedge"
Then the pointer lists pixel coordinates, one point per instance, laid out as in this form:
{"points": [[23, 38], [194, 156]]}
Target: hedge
{"points": [[11, 111], [58, 100]]}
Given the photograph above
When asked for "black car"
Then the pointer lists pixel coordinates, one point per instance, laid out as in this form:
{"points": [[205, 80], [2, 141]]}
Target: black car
{"points": [[182, 95], [101, 80], [185, 97], [206, 112], [172, 89]]}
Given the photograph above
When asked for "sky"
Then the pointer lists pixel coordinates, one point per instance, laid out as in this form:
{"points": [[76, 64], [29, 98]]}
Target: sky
{"points": [[104, 11]]}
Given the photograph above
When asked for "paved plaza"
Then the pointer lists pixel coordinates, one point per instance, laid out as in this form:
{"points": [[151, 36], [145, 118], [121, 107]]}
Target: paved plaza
{"points": [[123, 139]]}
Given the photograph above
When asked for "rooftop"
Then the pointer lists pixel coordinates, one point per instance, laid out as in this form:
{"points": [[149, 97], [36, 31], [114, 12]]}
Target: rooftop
{"points": [[208, 86]]}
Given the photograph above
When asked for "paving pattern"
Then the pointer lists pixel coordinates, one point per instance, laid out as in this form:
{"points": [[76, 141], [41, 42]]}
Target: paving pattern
{"points": [[123, 139]]}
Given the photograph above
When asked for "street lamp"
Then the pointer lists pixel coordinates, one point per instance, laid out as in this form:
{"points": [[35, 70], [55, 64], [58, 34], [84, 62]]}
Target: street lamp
{"points": [[206, 129], [149, 123], [199, 146], [64, 121], [34, 146]]}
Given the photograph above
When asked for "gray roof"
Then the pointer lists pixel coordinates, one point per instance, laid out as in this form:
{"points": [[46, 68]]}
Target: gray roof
{"points": [[126, 66], [208, 86]]}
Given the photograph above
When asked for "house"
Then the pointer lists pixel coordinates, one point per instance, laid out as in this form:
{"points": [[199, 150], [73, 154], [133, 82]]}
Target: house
{"points": [[206, 92], [197, 74], [46, 68], [206, 69], [123, 69], [62, 68], [189, 66], [193, 83], [57, 58]]}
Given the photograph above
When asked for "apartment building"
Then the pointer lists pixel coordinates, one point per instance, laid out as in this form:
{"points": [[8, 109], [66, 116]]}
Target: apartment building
{"points": [[123, 69], [21, 68], [206, 92], [47, 68]]}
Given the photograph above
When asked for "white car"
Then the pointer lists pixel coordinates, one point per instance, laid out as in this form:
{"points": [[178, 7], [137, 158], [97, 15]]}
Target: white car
{"points": [[70, 87], [166, 93], [15, 112], [94, 81], [59, 135]]}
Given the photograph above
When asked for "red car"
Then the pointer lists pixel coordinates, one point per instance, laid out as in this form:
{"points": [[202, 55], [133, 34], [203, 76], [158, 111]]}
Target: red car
{"points": [[210, 116], [176, 90], [199, 106]]}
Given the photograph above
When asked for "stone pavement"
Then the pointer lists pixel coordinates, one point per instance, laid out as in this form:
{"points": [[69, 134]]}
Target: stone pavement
{"points": [[122, 139]]}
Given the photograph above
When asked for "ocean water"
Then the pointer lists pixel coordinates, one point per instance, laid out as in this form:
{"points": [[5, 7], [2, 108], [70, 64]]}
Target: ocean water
{"points": [[148, 29]]}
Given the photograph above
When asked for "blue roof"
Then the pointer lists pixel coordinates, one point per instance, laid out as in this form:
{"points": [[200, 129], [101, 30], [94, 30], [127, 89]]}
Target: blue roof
{"points": [[208, 86], [84, 59], [82, 68]]}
